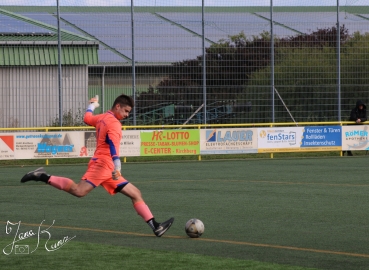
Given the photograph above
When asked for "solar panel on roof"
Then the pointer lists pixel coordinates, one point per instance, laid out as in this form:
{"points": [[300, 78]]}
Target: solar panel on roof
{"points": [[159, 40], [12, 25], [310, 21], [364, 15], [222, 25], [105, 54], [155, 40], [48, 18]]}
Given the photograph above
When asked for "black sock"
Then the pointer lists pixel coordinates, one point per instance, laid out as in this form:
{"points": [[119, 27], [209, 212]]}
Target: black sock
{"points": [[153, 224], [45, 177]]}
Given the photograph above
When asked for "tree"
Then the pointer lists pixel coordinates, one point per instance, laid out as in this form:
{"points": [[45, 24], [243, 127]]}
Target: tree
{"points": [[238, 70], [229, 64], [306, 78]]}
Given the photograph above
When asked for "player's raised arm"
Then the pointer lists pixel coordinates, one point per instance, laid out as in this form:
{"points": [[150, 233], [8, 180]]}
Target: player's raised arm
{"points": [[88, 118]]}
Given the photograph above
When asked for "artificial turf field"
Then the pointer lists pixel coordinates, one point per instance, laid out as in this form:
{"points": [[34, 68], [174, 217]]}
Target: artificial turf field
{"points": [[258, 214]]}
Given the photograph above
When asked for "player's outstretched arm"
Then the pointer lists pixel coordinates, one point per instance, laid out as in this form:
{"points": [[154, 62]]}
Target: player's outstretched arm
{"points": [[94, 103], [88, 117]]}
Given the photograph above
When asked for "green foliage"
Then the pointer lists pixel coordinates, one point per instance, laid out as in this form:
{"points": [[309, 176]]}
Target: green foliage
{"points": [[306, 78], [238, 72], [228, 66], [70, 119], [355, 60]]}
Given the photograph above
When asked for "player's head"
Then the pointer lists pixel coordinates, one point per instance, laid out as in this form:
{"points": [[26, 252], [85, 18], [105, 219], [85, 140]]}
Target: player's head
{"points": [[123, 100], [122, 106]]}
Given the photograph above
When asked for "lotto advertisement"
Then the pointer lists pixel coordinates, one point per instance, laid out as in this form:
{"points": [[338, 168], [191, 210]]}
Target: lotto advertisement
{"points": [[170, 142], [228, 141], [355, 138]]}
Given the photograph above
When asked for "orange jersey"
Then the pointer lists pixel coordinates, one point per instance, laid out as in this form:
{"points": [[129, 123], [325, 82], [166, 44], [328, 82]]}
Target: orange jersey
{"points": [[108, 134]]}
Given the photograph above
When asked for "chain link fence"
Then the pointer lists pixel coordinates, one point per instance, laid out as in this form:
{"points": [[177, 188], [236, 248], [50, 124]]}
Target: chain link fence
{"points": [[201, 63]]}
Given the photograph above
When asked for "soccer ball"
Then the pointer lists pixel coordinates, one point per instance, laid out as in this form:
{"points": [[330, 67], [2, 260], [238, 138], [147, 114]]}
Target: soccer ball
{"points": [[194, 228]]}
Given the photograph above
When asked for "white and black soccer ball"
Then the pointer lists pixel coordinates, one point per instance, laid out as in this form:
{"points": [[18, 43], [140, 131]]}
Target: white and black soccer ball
{"points": [[194, 228]]}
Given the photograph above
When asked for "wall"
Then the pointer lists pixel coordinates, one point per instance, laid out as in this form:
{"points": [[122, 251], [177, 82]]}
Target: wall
{"points": [[30, 95]]}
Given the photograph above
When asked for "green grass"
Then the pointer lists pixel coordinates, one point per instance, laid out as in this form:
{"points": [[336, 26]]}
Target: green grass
{"points": [[282, 213], [77, 255]]}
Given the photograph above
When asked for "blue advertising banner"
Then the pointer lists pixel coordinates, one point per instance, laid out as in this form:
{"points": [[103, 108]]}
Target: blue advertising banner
{"points": [[322, 138]]}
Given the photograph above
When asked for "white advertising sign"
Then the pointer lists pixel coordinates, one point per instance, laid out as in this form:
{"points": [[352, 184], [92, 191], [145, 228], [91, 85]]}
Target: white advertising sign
{"points": [[279, 139], [228, 141], [355, 138], [7, 146], [71, 144], [130, 143], [48, 145]]}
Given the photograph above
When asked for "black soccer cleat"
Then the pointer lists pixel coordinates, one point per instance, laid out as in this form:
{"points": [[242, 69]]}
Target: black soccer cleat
{"points": [[163, 227], [34, 175]]}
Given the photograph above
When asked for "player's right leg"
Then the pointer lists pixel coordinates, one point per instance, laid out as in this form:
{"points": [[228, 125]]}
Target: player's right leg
{"points": [[143, 210], [79, 190]]}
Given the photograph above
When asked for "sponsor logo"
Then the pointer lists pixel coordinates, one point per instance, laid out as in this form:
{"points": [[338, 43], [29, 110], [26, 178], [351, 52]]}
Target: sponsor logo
{"points": [[228, 136], [55, 146], [278, 136], [54, 149]]}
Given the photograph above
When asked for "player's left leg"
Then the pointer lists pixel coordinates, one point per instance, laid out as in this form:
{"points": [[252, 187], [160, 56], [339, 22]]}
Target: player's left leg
{"points": [[79, 190], [143, 210], [41, 175]]}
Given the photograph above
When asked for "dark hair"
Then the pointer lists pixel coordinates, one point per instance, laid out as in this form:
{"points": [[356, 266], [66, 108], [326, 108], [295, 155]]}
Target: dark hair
{"points": [[124, 100]]}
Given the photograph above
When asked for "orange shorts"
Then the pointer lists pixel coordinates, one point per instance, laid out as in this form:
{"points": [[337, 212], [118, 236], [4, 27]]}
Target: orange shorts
{"points": [[99, 172]]}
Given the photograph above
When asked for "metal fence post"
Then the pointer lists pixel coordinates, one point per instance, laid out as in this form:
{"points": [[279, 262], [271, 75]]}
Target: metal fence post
{"points": [[203, 62], [338, 60], [60, 78], [272, 59], [133, 63]]}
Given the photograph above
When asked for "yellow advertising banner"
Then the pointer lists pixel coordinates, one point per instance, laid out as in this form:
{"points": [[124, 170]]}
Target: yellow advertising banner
{"points": [[170, 142]]}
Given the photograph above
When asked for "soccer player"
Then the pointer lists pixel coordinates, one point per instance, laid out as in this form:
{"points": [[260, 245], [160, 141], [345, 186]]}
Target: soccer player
{"points": [[104, 168]]}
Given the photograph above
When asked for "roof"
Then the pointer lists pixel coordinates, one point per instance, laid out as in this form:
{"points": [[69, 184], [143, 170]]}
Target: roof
{"points": [[152, 9], [25, 42], [163, 35], [16, 27], [46, 56]]}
